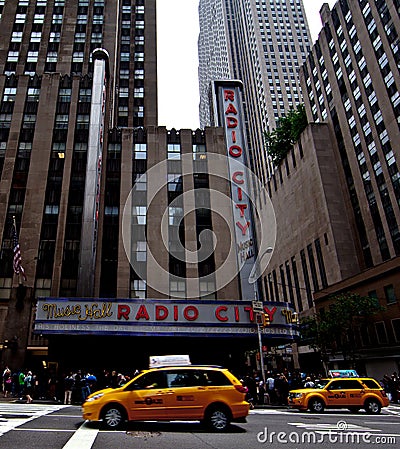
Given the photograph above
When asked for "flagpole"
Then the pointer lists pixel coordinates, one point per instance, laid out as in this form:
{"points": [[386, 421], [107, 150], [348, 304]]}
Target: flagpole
{"points": [[21, 272], [15, 227]]}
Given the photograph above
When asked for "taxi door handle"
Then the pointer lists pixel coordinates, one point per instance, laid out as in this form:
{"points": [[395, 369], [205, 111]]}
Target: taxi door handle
{"points": [[201, 388]]}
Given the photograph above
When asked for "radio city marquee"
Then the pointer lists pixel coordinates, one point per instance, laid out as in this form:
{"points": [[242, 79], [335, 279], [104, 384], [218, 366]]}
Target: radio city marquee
{"points": [[137, 317]]}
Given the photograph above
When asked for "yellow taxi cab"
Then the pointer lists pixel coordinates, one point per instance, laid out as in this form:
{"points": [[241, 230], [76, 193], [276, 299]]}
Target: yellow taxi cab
{"points": [[210, 394], [352, 393]]}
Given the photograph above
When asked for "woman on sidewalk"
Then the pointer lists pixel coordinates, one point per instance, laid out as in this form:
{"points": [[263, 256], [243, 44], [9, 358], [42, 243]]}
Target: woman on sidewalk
{"points": [[7, 381], [28, 383]]}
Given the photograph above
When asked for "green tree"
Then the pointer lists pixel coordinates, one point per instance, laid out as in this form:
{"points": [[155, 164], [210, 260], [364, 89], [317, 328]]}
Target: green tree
{"points": [[287, 133], [335, 329]]}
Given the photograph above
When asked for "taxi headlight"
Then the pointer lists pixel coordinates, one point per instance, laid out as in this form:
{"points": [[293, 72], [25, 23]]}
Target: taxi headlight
{"points": [[96, 396], [296, 395]]}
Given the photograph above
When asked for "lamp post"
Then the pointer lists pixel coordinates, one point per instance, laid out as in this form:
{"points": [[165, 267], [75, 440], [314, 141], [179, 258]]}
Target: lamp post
{"points": [[253, 277]]}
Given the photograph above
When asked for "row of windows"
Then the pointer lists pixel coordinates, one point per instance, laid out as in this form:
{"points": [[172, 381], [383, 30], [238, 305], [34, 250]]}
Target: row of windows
{"points": [[379, 333], [288, 288]]}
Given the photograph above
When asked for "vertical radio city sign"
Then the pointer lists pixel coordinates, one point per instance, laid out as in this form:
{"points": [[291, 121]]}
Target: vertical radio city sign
{"points": [[93, 174], [228, 110]]}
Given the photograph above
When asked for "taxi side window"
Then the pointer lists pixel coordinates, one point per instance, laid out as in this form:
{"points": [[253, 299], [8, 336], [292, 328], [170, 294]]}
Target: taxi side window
{"points": [[149, 381], [371, 383], [179, 378], [216, 378], [351, 384]]}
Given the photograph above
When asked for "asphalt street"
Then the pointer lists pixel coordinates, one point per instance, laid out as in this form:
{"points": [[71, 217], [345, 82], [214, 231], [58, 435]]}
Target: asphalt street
{"points": [[55, 426]]}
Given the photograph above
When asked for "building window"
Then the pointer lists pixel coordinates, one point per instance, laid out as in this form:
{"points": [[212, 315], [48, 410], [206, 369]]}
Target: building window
{"points": [[396, 329], [306, 278], [207, 289], [61, 121], [312, 267], [381, 334], [12, 56], [364, 335], [174, 182], [140, 151], [140, 251], [139, 215], [390, 294], [199, 152], [321, 264], [55, 36], [16, 36], [138, 289], [177, 288], [9, 94], [174, 151]]}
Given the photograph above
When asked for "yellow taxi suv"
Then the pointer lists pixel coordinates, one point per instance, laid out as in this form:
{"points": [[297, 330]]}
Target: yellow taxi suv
{"points": [[212, 395], [352, 393]]}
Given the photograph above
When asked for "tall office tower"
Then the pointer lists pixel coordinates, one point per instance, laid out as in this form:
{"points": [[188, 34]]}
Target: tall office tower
{"points": [[262, 43], [350, 84], [351, 80], [69, 72]]}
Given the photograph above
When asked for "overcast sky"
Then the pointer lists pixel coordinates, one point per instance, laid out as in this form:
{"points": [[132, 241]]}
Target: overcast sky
{"points": [[178, 30]]}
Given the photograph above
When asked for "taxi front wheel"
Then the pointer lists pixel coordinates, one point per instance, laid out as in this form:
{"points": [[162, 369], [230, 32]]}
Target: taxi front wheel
{"points": [[316, 405], [372, 407], [113, 417]]}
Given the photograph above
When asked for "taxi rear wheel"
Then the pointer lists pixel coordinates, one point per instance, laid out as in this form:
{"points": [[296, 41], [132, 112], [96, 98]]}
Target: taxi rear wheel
{"points": [[316, 405], [217, 418], [372, 407], [113, 417]]}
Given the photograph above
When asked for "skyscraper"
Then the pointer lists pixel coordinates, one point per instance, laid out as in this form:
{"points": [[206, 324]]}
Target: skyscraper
{"points": [[351, 80], [262, 43], [336, 194], [61, 63]]}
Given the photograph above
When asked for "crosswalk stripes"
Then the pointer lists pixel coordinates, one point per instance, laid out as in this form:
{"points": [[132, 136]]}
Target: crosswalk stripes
{"points": [[13, 415], [392, 410]]}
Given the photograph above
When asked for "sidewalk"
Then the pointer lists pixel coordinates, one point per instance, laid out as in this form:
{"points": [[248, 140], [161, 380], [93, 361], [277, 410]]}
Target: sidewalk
{"points": [[9, 400]]}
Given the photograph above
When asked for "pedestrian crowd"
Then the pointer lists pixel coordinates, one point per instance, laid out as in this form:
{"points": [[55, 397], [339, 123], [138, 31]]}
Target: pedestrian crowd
{"points": [[277, 385], [72, 387], [391, 384]]}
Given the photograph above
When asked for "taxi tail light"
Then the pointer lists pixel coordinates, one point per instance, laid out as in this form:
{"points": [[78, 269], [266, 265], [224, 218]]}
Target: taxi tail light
{"points": [[241, 389], [383, 392]]}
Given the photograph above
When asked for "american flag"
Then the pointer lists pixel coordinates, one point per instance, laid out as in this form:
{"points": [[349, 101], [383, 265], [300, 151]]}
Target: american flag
{"points": [[18, 268]]}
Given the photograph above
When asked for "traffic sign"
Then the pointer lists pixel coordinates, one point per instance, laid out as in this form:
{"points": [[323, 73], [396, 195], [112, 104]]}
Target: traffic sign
{"points": [[257, 306]]}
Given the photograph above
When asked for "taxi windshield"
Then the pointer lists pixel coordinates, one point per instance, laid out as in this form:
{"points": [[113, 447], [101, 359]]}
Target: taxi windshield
{"points": [[320, 383]]}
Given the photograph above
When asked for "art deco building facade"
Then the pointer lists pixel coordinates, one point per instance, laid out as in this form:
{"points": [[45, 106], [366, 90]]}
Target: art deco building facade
{"points": [[61, 104], [114, 256], [263, 44], [351, 80], [336, 195]]}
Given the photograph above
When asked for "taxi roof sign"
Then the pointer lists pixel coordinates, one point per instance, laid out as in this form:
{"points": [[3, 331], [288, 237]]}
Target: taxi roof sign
{"points": [[343, 373], [168, 360]]}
